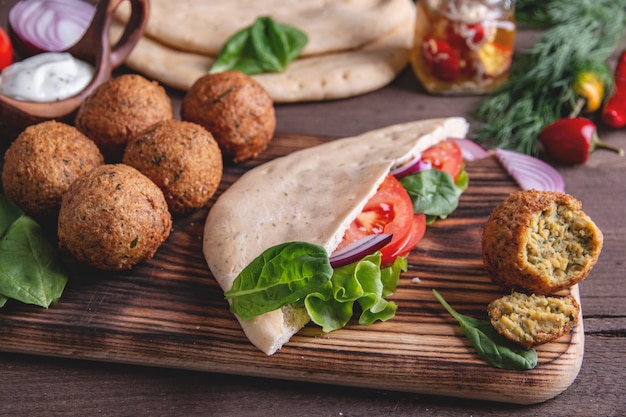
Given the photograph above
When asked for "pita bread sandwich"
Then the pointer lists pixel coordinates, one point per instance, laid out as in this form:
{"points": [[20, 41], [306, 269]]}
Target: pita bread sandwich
{"points": [[276, 230]]}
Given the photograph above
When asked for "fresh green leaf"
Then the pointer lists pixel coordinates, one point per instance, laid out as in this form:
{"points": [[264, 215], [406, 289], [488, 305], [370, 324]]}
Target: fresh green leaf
{"points": [[492, 347], [363, 282], [277, 37], [462, 180], [231, 52], [390, 276], [300, 274], [265, 46], [30, 271], [281, 275], [433, 192]]}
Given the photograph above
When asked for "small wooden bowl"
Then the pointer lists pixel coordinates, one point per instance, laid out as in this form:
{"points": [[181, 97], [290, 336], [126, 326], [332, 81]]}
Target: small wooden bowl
{"points": [[95, 48]]}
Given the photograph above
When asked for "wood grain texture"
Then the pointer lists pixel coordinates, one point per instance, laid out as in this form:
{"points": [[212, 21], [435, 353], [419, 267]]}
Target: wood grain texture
{"points": [[169, 312]]}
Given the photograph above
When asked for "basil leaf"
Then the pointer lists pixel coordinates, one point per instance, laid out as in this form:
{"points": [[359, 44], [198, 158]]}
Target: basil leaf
{"points": [[30, 271], [265, 46], [264, 52], [280, 275], [277, 37], [296, 41], [231, 52], [492, 347], [433, 192]]}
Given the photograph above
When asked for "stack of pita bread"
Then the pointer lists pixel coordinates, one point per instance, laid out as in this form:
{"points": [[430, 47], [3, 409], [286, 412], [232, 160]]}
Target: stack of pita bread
{"points": [[354, 47]]}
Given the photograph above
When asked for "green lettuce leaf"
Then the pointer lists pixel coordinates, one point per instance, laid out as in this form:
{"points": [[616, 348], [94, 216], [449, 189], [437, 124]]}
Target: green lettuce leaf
{"points": [[300, 274], [363, 282]]}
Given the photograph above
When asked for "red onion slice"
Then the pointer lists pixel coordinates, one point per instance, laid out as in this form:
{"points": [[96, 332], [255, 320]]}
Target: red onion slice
{"points": [[471, 150], [359, 249], [530, 172], [413, 166], [49, 25]]}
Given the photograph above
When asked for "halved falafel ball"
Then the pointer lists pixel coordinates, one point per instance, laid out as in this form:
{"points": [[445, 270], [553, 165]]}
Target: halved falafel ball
{"points": [[42, 162], [237, 111], [532, 320], [182, 158], [120, 108], [113, 217], [540, 242]]}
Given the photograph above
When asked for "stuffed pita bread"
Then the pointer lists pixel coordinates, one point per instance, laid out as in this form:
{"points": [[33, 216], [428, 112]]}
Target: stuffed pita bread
{"points": [[311, 195]]}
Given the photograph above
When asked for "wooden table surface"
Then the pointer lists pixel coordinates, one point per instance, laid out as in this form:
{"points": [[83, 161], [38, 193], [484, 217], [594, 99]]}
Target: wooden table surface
{"points": [[45, 386]]}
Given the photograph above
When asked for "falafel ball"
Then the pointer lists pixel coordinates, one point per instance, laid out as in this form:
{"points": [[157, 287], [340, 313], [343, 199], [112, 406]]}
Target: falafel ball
{"points": [[540, 242], [237, 111], [532, 320], [120, 108], [182, 158], [42, 162], [113, 217]]}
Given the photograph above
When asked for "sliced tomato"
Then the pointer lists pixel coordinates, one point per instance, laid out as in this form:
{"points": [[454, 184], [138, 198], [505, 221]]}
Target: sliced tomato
{"points": [[418, 229], [390, 210], [6, 50], [445, 156]]}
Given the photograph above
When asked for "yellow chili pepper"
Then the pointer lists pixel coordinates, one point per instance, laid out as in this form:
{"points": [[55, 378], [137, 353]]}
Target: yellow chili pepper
{"points": [[590, 88]]}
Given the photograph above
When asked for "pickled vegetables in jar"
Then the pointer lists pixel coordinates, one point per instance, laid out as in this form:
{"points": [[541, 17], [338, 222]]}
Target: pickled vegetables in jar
{"points": [[463, 46]]}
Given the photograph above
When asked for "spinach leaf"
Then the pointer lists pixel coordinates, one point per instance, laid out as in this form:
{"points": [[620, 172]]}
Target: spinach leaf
{"points": [[433, 193], [492, 347], [265, 46], [281, 275], [30, 271]]}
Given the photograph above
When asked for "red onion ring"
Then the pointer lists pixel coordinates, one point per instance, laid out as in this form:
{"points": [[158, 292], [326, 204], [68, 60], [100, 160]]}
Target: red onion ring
{"points": [[530, 172], [358, 250], [49, 25], [470, 149], [411, 167]]}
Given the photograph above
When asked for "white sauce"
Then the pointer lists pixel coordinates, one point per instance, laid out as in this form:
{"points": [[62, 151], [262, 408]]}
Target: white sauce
{"points": [[46, 77]]}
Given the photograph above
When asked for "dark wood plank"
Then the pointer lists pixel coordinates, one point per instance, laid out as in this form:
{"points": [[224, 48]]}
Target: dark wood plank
{"points": [[169, 312]]}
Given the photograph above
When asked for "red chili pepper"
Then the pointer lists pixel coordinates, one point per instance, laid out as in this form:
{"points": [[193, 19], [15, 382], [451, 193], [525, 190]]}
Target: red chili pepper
{"points": [[614, 111], [441, 59], [6, 50], [571, 140]]}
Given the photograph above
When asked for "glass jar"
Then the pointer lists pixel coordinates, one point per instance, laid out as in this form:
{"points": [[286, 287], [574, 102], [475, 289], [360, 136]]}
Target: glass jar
{"points": [[463, 46]]}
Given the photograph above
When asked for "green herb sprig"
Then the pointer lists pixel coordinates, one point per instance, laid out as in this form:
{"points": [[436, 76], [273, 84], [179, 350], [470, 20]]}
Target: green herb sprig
{"points": [[489, 344], [579, 36]]}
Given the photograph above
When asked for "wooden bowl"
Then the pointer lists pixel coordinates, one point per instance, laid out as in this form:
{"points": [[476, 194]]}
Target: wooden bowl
{"points": [[94, 48]]}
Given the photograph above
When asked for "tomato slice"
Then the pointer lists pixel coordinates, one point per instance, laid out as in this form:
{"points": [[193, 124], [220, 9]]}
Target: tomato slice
{"points": [[445, 156], [418, 229], [6, 50], [390, 210]]}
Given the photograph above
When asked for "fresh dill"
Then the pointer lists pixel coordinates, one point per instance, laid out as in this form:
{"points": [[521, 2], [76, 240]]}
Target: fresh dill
{"points": [[578, 36]]}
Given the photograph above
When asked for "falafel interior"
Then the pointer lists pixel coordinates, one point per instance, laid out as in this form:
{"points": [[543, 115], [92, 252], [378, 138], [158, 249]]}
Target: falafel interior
{"points": [[532, 320]]}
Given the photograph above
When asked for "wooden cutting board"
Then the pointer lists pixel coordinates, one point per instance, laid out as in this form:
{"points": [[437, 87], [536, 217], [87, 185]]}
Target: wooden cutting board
{"points": [[170, 312]]}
